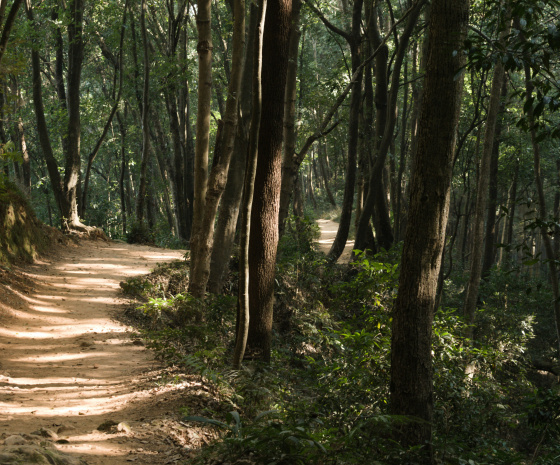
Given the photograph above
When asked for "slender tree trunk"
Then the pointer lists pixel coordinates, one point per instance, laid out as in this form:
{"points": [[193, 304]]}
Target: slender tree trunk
{"points": [[231, 200], [26, 164], [471, 296], [542, 212], [200, 263], [142, 185], [243, 304], [354, 40], [411, 360], [289, 165], [266, 199], [386, 103], [204, 50], [491, 234], [122, 191]]}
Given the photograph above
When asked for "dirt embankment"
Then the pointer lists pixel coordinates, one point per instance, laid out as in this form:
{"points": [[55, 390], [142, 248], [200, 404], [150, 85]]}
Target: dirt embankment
{"points": [[22, 235]]}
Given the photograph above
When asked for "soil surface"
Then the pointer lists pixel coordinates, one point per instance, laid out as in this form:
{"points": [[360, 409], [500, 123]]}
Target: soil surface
{"points": [[328, 233], [67, 367]]}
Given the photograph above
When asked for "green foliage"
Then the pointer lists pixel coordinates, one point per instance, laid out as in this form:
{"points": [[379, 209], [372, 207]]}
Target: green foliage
{"points": [[267, 439], [140, 233], [299, 237]]}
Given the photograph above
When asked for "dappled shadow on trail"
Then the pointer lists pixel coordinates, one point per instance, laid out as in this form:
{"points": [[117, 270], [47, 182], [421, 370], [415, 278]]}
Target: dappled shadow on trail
{"points": [[65, 364]]}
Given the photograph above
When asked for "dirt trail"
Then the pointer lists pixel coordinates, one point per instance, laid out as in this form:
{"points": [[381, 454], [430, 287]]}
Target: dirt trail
{"points": [[67, 366], [328, 233]]}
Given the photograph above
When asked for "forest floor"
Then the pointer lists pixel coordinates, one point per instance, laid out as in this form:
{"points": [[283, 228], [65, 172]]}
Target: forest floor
{"points": [[72, 373]]}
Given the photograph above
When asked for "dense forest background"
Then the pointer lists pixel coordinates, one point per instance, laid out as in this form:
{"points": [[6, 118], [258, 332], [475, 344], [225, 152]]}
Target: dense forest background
{"points": [[427, 130]]}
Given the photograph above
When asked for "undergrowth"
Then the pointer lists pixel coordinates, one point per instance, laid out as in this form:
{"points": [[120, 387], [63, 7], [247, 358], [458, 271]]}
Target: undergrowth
{"points": [[324, 397]]}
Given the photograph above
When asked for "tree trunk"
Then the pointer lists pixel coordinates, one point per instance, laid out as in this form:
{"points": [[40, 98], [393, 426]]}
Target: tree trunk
{"points": [[204, 50], [411, 359], [354, 40], [243, 304], [266, 199], [142, 184], [386, 104], [66, 192], [477, 248], [491, 234], [200, 263], [231, 200], [542, 213], [289, 165], [122, 191]]}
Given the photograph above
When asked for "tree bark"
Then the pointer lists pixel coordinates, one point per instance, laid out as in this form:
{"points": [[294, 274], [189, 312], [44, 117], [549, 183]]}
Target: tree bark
{"points": [[491, 234], [243, 303], [290, 132], [200, 262], [142, 184], [477, 248], [66, 191], [411, 360], [266, 199], [204, 50], [386, 103], [353, 40]]}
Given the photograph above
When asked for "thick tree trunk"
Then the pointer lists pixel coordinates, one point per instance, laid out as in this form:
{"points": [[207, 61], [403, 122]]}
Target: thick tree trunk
{"points": [[411, 348], [266, 199]]}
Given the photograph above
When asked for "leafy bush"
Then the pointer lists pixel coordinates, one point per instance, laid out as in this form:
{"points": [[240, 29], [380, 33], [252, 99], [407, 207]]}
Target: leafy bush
{"points": [[140, 233], [266, 439]]}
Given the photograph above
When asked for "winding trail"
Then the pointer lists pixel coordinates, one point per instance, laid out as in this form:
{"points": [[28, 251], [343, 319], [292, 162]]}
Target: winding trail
{"points": [[328, 233], [65, 364]]}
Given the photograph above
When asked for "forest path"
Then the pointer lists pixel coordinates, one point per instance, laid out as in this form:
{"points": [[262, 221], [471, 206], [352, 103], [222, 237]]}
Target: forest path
{"points": [[328, 230], [67, 366]]}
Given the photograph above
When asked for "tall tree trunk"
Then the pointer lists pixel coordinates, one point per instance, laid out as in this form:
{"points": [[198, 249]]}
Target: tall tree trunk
{"points": [[66, 191], [354, 40], [243, 303], [142, 184], [290, 133], [411, 360], [203, 241], [204, 50], [231, 200], [386, 103], [477, 248], [263, 239], [122, 173], [542, 212], [491, 234]]}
